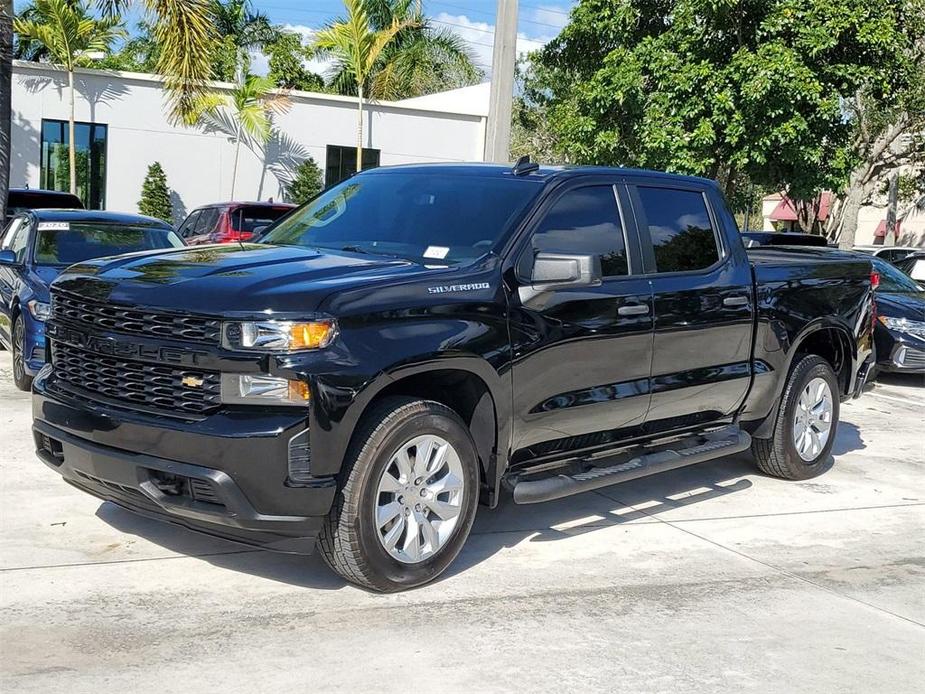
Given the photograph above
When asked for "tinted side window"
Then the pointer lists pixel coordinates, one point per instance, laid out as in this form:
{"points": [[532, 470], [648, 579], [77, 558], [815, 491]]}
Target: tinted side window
{"points": [[186, 229], [680, 228], [585, 221], [19, 241], [208, 221]]}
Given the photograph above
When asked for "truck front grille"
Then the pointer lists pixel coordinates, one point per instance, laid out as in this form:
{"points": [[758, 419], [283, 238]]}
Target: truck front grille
{"points": [[123, 319], [137, 385]]}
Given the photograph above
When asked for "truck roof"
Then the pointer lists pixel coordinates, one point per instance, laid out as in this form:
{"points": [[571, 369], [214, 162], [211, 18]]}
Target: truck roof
{"points": [[543, 173]]}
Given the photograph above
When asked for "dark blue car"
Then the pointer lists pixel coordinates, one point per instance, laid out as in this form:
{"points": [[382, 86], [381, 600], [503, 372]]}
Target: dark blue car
{"points": [[34, 249]]}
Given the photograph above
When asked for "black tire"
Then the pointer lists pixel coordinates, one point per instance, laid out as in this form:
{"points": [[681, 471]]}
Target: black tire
{"points": [[777, 456], [349, 541], [21, 379]]}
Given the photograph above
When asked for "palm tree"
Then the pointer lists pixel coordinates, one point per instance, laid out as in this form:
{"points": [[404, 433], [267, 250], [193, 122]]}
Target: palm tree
{"points": [[357, 46], [422, 59], [251, 106], [184, 30], [240, 30], [72, 38]]}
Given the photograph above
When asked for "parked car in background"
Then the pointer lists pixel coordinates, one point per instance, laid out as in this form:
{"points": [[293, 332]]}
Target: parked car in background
{"points": [[230, 222], [913, 265], [891, 254], [752, 239], [23, 199], [35, 248], [900, 331]]}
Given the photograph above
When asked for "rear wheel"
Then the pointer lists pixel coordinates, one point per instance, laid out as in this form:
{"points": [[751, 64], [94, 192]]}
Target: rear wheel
{"points": [[22, 379], [806, 423], [408, 499]]}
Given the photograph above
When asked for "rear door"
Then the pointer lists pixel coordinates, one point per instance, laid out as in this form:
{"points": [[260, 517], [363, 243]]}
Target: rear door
{"points": [[581, 355], [702, 290]]}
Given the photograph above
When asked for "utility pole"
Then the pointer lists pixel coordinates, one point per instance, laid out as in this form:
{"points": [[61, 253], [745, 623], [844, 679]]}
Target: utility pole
{"points": [[498, 133]]}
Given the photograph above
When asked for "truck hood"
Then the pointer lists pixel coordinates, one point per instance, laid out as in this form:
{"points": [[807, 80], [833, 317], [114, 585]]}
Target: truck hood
{"points": [[231, 279]]}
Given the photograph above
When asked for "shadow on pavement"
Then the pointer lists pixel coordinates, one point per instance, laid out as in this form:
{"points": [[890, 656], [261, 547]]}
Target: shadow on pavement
{"points": [[495, 529], [901, 379]]}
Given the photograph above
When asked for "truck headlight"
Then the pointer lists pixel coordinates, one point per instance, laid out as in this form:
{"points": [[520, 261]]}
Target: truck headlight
{"points": [[39, 310], [904, 325], [278, 336], [256, 389]]}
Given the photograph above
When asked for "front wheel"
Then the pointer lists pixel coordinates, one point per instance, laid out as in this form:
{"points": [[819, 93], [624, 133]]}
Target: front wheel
{"points": [[21, 379], [806, 423], [408, 500]]}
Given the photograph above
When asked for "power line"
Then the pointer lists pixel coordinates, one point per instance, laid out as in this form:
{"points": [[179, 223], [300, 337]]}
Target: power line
{"points": [[469, 10]]}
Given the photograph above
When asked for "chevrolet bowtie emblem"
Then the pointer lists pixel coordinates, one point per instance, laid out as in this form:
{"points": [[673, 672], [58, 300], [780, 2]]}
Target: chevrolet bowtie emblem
{"points": [[192, 381]]}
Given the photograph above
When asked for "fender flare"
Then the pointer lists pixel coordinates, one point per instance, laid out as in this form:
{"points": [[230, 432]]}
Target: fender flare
{"points": [[825, 323]]}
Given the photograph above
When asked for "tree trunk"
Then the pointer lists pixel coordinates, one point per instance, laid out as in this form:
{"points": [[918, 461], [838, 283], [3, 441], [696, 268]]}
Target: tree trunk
{"points": [[72, 144], [237, 153], [6, 106], [849, 222], [360, 128]]}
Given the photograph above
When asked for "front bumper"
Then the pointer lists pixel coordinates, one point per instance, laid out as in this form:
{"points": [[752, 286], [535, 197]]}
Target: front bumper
{"points": [[900, 353], [224, 475]]}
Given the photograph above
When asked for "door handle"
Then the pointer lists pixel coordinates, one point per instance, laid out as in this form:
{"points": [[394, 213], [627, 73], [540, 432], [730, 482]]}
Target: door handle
{"points": [[733, 301], [633, 310]]}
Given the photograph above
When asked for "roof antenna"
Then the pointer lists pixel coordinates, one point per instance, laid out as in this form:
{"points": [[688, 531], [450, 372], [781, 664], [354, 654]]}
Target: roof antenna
{"points": [[524, 166]]}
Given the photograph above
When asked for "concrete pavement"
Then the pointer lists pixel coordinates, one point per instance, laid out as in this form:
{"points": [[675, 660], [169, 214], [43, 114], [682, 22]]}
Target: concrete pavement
{"points": [[711, 578]]}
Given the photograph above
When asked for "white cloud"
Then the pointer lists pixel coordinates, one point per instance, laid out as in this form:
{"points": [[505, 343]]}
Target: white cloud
{"points": [[555, 16], [481, 36]]}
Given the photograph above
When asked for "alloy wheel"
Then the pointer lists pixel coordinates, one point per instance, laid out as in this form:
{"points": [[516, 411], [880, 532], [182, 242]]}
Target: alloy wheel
{"points": [[812, 419], [419, 498]]}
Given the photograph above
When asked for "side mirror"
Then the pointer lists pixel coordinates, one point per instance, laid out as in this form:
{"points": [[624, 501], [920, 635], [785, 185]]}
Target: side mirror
{"points": [[553, 270], [258, 231], [8, 257]]}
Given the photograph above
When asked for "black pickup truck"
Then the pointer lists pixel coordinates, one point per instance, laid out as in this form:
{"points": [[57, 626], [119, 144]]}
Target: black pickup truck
{"points": [[419, 339]]}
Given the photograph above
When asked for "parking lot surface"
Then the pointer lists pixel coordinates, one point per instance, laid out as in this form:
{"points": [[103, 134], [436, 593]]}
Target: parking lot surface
{"points": [[710, 578]]}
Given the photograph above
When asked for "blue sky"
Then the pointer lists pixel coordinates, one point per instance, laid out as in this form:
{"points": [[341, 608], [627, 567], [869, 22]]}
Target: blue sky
{"points": [[474, 20]]}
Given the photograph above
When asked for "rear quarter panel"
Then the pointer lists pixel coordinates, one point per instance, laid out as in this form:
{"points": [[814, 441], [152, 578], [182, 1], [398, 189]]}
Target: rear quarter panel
{"points": [[799, 292]]}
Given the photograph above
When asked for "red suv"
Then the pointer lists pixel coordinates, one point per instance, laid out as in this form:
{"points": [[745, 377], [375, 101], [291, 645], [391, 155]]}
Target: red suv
{"points": [[229, 222]]}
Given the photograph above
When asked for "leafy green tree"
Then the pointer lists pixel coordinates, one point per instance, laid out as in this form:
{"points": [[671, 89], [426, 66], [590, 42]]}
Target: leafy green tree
{"points": [[140, 53], [241, 29], [421, 59], [356, 45], [306, 183], [72, 38], [287, 56], [155, 195], [721, 87]]}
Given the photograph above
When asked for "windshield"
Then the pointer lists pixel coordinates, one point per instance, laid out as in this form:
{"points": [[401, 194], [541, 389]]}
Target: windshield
{"points": [[892, 279], [441, 219], [66, 243]]}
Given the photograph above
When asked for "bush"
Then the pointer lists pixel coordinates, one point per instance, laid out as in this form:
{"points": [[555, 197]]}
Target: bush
{"points": [[306, 183], [155, 195]]}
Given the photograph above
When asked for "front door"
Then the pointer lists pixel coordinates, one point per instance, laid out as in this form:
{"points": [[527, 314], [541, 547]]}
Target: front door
{"points": [[581, 355]]}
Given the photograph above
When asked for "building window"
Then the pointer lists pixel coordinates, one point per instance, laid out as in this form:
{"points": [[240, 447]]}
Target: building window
{"points": [[341, 162], [91, 160]]}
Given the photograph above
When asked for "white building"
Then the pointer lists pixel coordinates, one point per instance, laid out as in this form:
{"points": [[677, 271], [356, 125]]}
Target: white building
{"points": [[123, 127]]}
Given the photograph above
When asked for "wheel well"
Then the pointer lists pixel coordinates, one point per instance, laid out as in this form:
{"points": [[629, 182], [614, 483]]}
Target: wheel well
{"points": [[461, 391], [832, 345]]}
